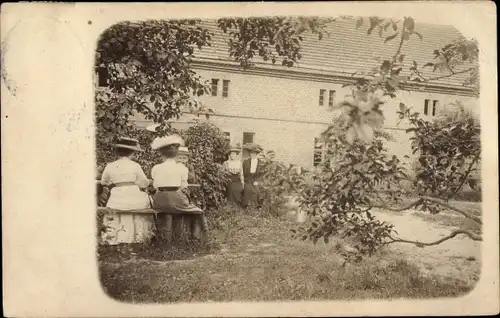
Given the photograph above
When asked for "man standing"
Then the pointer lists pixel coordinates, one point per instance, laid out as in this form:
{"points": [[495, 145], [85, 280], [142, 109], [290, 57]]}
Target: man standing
{"points": [[252, 171]]}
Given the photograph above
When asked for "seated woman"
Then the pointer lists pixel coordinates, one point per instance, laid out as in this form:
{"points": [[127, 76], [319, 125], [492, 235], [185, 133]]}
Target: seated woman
{"points": [[127, 178], [169, 177]]}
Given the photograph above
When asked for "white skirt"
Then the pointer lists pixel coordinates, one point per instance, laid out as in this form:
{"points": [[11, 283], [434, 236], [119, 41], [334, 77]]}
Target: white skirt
{"points": [[127, 227], [128, 198]]}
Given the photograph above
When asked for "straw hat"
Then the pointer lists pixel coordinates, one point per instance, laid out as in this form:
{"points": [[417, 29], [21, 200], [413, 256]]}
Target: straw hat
{"points": [[161, 142], [128, 143], [253, 147], [236, 149]]}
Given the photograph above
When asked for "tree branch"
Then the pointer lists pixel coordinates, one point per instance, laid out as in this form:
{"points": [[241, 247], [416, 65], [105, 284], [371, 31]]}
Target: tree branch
{"points": [[404, 208], [400, 43], [444, 76], [430, 199], [472, 236], [466, 175], [453, 208]]}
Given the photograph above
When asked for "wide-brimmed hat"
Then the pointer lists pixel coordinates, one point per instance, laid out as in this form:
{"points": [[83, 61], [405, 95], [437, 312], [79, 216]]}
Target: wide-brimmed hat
{"points": [[252, 147], [128, 143], [183, 150], [236, 149], [161, 142]]}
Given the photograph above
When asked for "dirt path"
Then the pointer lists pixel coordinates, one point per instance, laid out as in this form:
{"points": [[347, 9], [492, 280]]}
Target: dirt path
{"points": [[457, 257]]}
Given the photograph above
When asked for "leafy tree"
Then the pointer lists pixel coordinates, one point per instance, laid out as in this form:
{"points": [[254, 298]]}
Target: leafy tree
{"points": [[148, 72], [448, 152]]}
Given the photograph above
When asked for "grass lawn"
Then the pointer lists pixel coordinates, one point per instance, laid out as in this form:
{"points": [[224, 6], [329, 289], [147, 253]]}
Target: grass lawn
{"points": [[256, 259]]}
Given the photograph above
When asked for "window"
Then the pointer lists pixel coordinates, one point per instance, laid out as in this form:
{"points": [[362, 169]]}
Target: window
{"points": [[215, 84], [322, 93], [427, 106], [102, 76], [331, 98], [320, 150], [248, 137], [225, 88], [434, 107]]}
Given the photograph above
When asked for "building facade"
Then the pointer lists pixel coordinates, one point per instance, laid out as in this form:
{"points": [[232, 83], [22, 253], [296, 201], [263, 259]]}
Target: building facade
{"points": [[286, 109]]}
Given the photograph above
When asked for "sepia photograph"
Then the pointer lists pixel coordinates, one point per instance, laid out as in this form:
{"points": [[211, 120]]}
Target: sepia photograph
{"points": [[249, 159], [273, 158]]}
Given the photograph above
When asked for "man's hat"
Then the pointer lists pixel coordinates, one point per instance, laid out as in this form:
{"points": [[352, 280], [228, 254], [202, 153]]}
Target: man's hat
{"points": [[252, 147]]}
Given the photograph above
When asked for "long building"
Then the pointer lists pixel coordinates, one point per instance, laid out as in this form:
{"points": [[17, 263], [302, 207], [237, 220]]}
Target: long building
{"points": [[285, 109]]}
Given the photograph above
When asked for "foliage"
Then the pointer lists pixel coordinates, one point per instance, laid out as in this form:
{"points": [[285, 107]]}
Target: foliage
{"points": [[449, 59], [103, 230], [448, 150], [345, 190], [209, 148], [148, 67], [270, 38], [276, 183]]}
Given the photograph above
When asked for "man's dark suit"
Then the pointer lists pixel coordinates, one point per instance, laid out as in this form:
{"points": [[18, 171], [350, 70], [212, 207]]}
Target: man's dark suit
{"points": [[251, 192]]}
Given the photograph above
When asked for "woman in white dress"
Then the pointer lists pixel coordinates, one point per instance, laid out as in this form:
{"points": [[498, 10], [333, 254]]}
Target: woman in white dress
{"points": [[169, 179], [126, 178], [235, 186]]}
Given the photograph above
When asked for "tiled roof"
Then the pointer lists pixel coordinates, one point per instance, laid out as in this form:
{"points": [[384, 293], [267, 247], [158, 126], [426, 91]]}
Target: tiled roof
{"points": [[348, 50]]}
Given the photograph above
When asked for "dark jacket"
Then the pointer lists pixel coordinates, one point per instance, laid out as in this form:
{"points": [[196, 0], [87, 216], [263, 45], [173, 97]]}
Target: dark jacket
{"points": [[252, 177]]}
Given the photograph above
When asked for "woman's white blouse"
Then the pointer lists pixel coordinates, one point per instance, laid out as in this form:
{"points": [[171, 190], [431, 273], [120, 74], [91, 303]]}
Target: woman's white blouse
{"points": [[124, 170], [233, 165], [170, 174]]}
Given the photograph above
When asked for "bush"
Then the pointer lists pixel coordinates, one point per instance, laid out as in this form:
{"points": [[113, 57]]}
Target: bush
{"points": [[449, 150], [208, 147], [278, 182]]}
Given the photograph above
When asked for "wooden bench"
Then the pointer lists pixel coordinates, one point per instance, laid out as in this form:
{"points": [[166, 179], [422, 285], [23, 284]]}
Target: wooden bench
{"points": [[140, 226], [180, 226]]}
